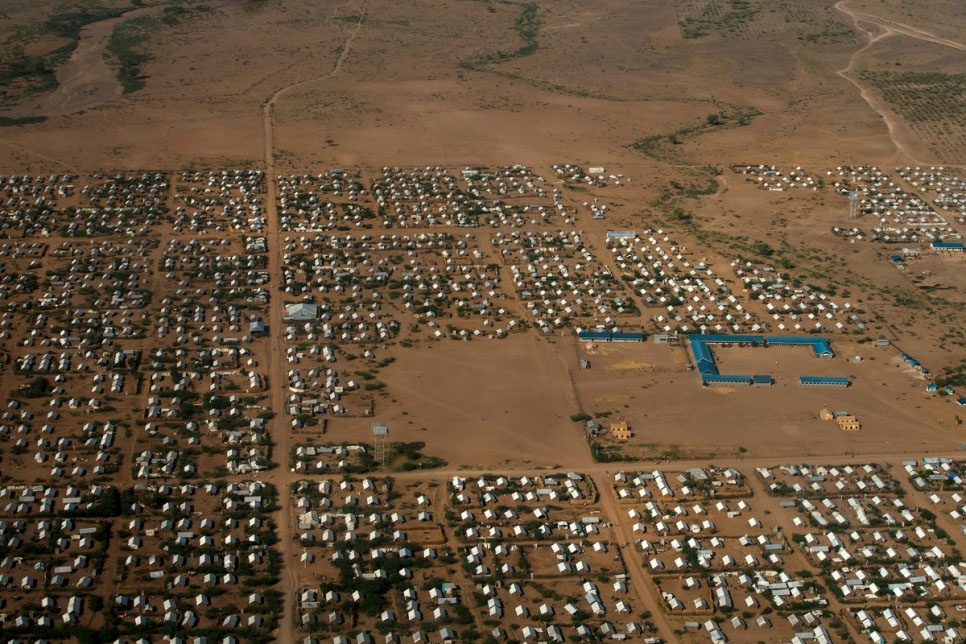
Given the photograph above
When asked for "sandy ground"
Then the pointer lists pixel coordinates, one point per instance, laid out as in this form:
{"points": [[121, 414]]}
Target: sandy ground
{"points": [[485, 403], [596, 83]]}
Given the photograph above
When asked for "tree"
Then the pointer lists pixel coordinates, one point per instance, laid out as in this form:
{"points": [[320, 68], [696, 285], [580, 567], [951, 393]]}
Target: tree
{"points": [[36, 388], [763, 249]]}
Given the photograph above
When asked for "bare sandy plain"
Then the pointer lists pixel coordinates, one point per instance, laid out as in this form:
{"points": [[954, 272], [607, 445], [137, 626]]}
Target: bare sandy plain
{"points": [[461, 85]]}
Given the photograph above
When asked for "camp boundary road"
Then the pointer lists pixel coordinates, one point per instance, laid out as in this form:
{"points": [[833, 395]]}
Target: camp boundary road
{"points": [[280, 432]]}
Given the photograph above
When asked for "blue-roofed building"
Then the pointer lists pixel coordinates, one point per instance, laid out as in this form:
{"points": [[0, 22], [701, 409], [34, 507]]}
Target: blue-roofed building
{"points": [[823, 381], [961, 401], [948, 247], [820, 346], [704, 360], [702, 356], [721, 338], [607, 336], [626, 337], [725, 379]]}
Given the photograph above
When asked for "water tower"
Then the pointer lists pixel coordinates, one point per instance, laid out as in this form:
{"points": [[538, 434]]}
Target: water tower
{"points": [[853, 204], [379, 433]]}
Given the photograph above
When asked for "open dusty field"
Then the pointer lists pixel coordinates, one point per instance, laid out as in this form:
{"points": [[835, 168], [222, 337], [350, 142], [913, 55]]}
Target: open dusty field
{"points": [[476, 398], [469, 83]]}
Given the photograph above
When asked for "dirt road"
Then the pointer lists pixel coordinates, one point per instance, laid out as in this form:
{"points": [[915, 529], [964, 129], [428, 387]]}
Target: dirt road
{"points": [[633, 562], [905, 142], [278, 428], [898, 27]]}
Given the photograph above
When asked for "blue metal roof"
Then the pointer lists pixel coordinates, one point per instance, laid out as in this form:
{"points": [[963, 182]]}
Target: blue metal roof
{"points": [[823, 380], [627, 336], [797, 340], [819, 345], [721, 338], [822, 348], [735, 379], [704, 360], [948, 245], [702, 356], [606, 336]]}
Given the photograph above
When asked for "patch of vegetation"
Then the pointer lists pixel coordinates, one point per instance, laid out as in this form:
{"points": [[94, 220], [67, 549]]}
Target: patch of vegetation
{"points": [[36, 388], [921, 96], [658, 146], [404, 457], [30, 75], [35, 73], [829, 35], [608, 453], [127, 42], [954, 376], [698, 18], [558, 88], [125, 46], [399, 457], [527, 26], [932, 103], [760, 19], [691, 183], [68, 25]]}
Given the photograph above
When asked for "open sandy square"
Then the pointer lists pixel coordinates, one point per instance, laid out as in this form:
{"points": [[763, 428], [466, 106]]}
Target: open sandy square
{"points": [[483, 403]]}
